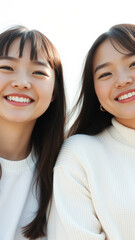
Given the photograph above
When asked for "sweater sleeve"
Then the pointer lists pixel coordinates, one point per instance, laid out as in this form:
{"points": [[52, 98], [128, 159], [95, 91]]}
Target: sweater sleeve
{"points": [[73, 213]]}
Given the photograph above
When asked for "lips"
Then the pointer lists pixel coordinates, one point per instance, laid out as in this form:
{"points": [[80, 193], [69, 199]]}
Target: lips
{"points": [[18, 98], [127, 95]]}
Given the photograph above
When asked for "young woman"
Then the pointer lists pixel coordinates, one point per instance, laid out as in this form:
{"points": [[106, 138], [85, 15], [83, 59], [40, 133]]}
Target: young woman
{"points": [[94, 192], [32, 115]]}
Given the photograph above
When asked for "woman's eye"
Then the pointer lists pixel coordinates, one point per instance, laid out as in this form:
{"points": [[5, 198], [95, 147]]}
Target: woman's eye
{"points": [[132, 64], [6, 68], [39, 73], [105, 75]]}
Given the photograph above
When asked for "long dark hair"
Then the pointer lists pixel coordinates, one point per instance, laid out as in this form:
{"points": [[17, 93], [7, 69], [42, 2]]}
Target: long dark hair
{"points": [[48, 133], [91, 120]]}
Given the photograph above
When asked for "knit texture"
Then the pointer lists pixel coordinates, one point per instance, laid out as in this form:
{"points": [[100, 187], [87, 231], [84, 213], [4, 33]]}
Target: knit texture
{"points": [[94, 187], [18, 200]]}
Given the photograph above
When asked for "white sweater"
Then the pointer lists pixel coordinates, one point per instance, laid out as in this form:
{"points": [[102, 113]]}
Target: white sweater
{"points": [[94, 187], [18, 203]]}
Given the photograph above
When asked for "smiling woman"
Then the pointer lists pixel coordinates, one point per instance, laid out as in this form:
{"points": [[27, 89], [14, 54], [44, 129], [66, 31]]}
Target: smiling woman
{"points": [[32, 116], [32, 84], [114, 73], [94, 196]]}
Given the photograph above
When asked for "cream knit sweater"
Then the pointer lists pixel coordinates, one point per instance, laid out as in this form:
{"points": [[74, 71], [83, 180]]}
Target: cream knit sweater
{"points": [[18, 201], [94, 187]]}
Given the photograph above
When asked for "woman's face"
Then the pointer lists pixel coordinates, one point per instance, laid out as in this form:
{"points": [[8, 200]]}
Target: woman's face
{"points": [[114, 81], [26, 87]]}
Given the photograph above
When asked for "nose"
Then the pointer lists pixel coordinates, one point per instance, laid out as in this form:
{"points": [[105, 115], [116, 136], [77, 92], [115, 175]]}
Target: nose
{"points": [[21, 84], [123, 82]]}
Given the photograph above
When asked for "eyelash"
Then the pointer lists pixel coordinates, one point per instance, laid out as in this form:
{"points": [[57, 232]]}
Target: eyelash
{"points": [[104, 75], [6, 68], [132, 64], [108, 73], [40, 73]]}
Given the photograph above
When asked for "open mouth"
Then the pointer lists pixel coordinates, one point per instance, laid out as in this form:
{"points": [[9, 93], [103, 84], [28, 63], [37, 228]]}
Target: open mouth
{"points": [[126, 96], [19, 99], [22, 99]]}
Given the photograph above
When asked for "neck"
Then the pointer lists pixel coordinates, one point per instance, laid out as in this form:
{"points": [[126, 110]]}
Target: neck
{"points": [[15, 140], [130, 123]]}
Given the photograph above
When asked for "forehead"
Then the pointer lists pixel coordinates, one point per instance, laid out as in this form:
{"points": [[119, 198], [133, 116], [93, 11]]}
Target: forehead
{"points": [[15, 47], [106, 52]]}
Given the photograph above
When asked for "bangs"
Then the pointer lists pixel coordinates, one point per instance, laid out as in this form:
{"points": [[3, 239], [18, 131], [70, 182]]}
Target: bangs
{"points": [[38, 43], [123, 35]]}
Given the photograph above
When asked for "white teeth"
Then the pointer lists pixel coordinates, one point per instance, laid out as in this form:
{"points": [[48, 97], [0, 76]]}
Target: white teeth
{"points": [[18, 99], [125, 96], [130, 95]]}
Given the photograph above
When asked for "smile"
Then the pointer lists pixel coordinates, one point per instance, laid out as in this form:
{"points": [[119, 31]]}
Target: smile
{"points": [[126, 96], [19, 99]]}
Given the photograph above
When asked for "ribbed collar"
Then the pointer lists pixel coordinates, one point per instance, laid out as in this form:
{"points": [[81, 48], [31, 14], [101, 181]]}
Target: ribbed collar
{"points": [[18, 166], [121, 133]]}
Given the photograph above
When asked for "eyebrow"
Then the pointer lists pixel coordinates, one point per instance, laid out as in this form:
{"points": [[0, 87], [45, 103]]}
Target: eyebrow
{"points": [[109, 63], [40, 63], [102, 66], [8, 58], [35, 62]]}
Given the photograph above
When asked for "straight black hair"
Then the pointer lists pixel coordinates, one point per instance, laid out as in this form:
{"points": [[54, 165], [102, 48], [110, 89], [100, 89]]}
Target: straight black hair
{"points": [[48, 133], [91, 120]]}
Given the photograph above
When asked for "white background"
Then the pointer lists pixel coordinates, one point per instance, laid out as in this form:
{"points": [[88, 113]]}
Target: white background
{"points": [[71, 25]]}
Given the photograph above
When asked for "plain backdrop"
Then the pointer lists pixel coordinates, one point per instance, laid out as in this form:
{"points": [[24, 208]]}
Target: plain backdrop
{"points": [[71, 25]]}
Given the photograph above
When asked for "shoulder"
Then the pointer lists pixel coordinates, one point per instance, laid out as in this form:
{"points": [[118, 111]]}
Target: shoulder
{"points": [[78, 149], [72, 161], [78, 143], [81, 142]]}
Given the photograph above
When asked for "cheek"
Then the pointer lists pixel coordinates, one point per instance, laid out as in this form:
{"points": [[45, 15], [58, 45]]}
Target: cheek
{"points": [[103, 91], [99, 89], [45, 91], [4, 80], [44, 98]]}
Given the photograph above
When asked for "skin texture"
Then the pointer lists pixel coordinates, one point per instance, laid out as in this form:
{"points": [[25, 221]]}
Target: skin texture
{"points": [[22, 76], [114, 76]]}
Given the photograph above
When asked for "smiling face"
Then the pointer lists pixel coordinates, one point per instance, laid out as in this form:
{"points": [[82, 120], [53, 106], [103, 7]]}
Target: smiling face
{"points": [[26, 87], [114, 81]]}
